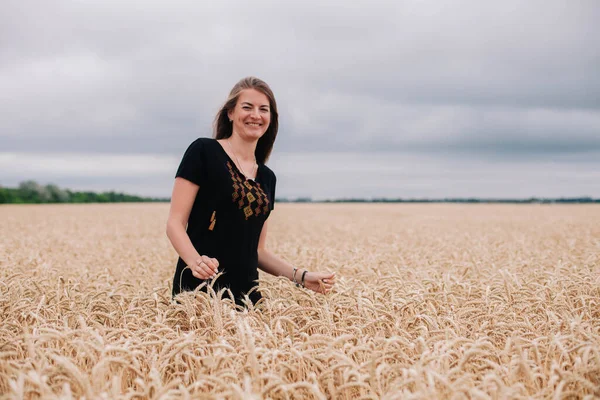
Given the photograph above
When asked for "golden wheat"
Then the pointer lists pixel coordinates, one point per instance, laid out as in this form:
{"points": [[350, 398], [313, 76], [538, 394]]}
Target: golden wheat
{"points": [[432, 301]]}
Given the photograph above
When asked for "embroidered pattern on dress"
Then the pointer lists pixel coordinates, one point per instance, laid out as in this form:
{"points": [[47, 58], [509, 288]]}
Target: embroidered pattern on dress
{"points": [[252, 199]]}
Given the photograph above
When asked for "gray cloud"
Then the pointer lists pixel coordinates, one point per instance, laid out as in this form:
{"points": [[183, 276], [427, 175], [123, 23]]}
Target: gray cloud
{"points": [[333, 174], [506, 80], [449, 175]]}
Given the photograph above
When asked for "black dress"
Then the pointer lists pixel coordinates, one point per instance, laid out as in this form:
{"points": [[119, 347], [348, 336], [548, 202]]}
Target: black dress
{"points": [[226, 219]]}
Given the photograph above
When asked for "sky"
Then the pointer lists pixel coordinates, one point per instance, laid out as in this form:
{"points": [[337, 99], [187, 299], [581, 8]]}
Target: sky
{"points": [[410, 99]]}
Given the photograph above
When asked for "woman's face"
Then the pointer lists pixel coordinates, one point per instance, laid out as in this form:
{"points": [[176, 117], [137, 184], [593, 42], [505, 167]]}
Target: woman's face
{"points": [[251, 115]]}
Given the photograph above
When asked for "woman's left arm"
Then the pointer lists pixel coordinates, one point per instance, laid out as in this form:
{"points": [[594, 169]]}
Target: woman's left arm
{"points": [[320, 282]]}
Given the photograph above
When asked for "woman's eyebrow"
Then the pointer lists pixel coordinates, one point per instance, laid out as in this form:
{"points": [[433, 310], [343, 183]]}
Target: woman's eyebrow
{"points": [[250, 104]]}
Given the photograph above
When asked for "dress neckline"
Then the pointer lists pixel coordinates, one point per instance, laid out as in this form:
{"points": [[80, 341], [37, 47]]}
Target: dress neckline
{"points": [[235, 165]]}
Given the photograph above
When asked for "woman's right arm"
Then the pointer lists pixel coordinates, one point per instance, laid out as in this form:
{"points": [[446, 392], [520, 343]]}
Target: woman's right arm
{"points": [[182, 200]]}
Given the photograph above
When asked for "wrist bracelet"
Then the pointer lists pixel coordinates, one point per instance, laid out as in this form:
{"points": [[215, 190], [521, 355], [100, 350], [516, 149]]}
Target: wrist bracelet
{"points": [[304, 273], [294, 277]]}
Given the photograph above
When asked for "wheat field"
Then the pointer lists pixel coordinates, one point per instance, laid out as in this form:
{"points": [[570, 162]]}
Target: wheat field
{"points": [[432, 301]]}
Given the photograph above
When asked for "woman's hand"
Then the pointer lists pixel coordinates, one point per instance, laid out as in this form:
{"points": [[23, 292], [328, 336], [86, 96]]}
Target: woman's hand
{"points": [[205, 267], [320, 282]]}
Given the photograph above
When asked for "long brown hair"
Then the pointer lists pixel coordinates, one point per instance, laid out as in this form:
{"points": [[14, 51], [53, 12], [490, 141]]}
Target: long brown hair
{"points": [[224, 129]]}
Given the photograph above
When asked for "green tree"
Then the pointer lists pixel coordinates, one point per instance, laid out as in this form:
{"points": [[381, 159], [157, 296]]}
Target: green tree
{"points": [[6, 195], [57, 195], [33, 192]]}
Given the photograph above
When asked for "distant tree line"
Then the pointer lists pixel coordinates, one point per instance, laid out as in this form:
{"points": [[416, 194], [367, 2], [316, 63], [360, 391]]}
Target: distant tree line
{"points": [[531, 200], [33, 192]]}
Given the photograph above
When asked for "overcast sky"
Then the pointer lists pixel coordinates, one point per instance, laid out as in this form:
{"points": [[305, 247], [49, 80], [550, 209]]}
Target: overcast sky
{"points": [[411, 98]]}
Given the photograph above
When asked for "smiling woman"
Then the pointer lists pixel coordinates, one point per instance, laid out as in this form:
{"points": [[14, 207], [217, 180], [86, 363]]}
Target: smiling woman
{"points": [[225, 193]]}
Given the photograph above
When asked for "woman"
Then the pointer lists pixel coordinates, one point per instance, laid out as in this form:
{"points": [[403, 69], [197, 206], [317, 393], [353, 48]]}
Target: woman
{"points": [[224, 193]]}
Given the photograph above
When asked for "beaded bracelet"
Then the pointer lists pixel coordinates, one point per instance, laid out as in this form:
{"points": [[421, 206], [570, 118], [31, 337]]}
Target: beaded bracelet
{"points": [[294, 277], [304, 273]]}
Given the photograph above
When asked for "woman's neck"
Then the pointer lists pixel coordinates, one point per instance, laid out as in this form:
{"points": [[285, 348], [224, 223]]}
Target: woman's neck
{"points": [[244, 149]]}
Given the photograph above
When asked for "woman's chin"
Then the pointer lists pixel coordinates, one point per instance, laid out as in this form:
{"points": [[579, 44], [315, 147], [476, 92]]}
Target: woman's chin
{"points": [[254, 135]]}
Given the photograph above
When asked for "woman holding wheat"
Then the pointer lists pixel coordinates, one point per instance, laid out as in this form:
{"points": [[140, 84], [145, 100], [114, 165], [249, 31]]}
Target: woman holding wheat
{"points": [[224, 194]]}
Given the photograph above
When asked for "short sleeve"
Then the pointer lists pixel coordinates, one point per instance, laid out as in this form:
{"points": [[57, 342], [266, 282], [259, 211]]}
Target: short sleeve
{"points": [[192, 165]]}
